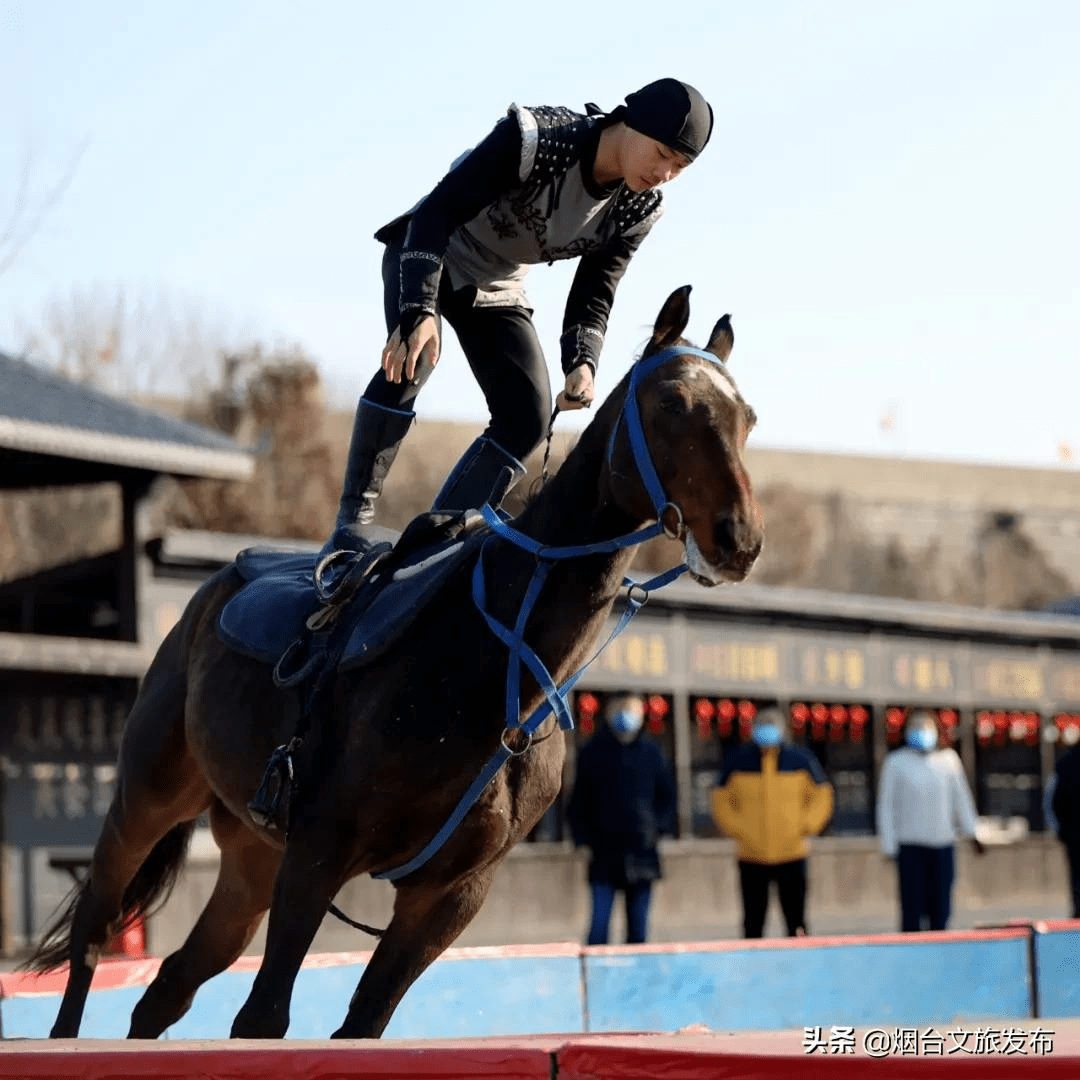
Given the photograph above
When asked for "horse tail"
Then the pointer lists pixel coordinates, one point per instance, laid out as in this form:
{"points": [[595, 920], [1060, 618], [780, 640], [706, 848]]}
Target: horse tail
{"points": [[146, 893]]}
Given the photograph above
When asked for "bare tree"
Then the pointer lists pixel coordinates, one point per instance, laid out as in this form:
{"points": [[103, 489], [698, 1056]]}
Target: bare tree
{"points": [[131, 347], [27, 213]]}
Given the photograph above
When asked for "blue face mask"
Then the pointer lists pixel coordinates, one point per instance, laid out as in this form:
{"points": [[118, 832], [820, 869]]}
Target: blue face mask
{"points": [[765, 735], [626, 724], [922, 738]]}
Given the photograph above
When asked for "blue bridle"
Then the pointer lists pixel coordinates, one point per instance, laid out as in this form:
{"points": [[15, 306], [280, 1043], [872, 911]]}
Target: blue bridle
{"points": [[555, 697]]}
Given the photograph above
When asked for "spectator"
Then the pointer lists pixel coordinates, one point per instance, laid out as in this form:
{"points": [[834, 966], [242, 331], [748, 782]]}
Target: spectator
{"points": [[623, 799], [772, 796], [923, 804], [1064, 798]]}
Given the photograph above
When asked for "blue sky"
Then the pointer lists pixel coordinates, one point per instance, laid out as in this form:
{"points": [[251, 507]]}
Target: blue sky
{"points": [[889, 206]]}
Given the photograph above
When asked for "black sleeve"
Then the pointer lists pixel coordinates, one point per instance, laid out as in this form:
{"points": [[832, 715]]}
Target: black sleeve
{"points": [[476, 181], [665, 797], [577, 812], [1064, 806], [589, 302]]}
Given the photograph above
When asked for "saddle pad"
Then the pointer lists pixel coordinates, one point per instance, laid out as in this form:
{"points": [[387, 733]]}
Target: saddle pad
{"points": [[393, 610], [268, 614], [270, 611]]}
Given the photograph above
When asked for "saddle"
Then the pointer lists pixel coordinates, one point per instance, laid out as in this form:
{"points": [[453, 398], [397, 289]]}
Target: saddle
{"points": [[294, 603], [312, 616]]}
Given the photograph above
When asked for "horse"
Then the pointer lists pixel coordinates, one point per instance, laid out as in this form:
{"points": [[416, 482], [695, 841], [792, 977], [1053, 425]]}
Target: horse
{"points": [[402, 738]]}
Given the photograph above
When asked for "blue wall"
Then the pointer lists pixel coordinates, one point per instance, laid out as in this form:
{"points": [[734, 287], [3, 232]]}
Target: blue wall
{"points": [[898, 983], [889, 980], [1057, 970]]}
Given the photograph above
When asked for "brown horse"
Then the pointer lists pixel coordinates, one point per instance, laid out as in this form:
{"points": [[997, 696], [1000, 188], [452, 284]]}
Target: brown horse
{"points": [[405, 736]]}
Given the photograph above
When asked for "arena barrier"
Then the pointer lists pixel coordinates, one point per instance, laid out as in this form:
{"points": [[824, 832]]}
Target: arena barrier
{"points": [[682, 1056], [1018, 971], [1056, 967]]}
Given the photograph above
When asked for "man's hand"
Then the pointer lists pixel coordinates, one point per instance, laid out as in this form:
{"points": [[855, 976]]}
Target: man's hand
{"points": [[400, 358], [579, 390], [978, 845]]}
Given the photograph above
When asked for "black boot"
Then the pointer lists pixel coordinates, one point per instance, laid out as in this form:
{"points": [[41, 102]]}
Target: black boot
{"points": [[485, 473], [377, 434]]}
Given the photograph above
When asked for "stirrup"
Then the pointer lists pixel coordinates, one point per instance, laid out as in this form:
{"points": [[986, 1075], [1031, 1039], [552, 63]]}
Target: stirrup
{"points": [[270, 807]]}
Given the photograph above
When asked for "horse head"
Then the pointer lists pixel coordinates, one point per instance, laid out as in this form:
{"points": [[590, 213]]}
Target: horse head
{"points": [[685, 422]]}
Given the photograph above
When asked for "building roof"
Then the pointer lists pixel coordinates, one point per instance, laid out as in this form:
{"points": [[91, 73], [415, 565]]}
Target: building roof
{"points": [[918, 616], [914, 481], [45, 416]]}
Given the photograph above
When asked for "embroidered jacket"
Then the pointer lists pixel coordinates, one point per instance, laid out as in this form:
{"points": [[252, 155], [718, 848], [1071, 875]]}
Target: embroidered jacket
{"points": [[526, 195]]}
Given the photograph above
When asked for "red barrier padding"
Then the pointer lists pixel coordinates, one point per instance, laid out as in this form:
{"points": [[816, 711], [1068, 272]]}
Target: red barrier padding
{"points": [[495, 1059], [774, 1055], [683, 1056]]}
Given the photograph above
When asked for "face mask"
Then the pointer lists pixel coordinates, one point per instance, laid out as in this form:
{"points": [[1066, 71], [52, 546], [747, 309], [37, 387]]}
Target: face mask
{"points": [[626, 724], [766, 735], [922, 738]]}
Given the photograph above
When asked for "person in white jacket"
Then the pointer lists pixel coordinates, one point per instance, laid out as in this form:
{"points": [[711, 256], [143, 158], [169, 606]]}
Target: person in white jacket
{"points": [[923, 805]]}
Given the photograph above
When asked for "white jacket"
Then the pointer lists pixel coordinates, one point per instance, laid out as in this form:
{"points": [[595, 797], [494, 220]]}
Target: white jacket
{"points": [[923, 798]]}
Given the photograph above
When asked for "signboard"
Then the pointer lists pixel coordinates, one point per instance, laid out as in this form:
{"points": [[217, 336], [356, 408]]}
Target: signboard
{"points": [[918, 671], [643, 652], [53, 727], [742, 661], [1014, 677], [1064, 679], [831, 667]]}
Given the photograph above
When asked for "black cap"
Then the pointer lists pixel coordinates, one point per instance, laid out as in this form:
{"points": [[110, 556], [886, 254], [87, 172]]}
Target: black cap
{"points": [[673, 113]]}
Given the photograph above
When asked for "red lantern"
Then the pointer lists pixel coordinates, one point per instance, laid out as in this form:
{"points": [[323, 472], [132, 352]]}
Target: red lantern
{"points": [[704, 711], [746, 721], [747, 710], [799, 716], [587, 704], [587, 725], [657, 708], [1031, 728], [859, 715], [819, 715], [894, 723], [723, 719]]}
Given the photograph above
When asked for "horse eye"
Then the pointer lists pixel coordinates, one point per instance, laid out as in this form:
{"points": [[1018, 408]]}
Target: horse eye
{"points": [[674, 403]]}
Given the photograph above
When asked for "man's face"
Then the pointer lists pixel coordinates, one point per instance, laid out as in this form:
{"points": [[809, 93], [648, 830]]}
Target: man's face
{"points": [[648, 163]]}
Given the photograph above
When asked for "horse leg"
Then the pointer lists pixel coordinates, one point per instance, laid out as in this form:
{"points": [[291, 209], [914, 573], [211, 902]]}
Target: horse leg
{"points": [[226, 926], [425, 922], [309, 877], [142, 844]]}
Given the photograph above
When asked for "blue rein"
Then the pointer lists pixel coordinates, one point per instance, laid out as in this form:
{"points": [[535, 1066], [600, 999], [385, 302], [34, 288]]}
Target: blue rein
{"points": [[555, 697]]}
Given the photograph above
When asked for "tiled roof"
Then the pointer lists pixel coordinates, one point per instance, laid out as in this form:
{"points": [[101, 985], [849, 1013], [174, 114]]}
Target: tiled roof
{"points": [[44, 413]]}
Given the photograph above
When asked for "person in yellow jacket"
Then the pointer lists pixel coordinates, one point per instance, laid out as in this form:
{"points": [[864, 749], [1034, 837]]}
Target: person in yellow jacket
{"points": [[772, 796]]}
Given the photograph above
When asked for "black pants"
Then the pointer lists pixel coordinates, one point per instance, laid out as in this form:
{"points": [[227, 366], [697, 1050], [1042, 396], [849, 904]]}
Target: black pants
{"points": [[1073, 854], [926, 881], [503, 350], [754, 881]]}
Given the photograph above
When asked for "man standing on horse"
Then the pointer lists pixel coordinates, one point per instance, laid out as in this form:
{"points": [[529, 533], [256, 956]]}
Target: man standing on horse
{"points": [[545, 184]]}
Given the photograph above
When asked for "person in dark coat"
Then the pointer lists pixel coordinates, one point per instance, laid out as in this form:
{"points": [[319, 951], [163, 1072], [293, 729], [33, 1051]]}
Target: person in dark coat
{"points": [[623, 799], [1065, 803]]}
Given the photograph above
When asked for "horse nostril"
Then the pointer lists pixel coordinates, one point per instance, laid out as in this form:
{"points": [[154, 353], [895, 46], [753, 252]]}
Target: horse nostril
{"points": [[724, 533]]}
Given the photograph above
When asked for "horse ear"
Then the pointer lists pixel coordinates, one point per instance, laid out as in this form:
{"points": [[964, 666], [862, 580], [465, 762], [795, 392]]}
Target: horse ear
{"points": [[672, 320], [721, 339]]}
